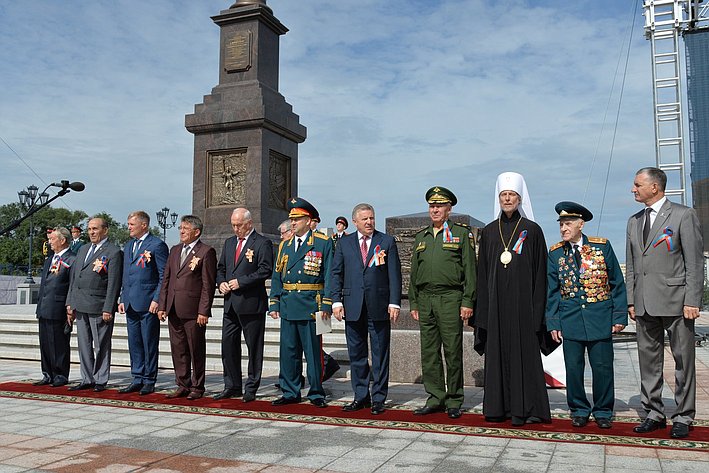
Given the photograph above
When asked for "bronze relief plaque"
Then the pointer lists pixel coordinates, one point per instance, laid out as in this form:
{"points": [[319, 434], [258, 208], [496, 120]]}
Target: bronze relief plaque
{"points": [[278, 180], [238, 52], [226, 177]]}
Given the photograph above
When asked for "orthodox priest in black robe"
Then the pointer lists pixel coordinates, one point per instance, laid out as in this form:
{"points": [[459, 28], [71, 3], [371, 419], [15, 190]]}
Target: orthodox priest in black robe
{"points": [[509, 317]]}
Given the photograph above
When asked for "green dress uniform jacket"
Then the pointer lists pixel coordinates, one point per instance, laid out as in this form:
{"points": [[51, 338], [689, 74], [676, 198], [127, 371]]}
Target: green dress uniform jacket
{"points": [[443, 280], [300, 287], [584, 303]]}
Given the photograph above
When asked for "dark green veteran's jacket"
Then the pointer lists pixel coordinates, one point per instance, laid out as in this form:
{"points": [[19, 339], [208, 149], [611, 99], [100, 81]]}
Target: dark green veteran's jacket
{"points": [[584, 303], [442, 263]]}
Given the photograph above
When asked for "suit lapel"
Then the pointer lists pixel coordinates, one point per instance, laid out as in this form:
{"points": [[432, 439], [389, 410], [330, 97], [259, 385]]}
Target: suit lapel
{"points": [[190, 255], [249, 243], [662, 216], [304, 248]]}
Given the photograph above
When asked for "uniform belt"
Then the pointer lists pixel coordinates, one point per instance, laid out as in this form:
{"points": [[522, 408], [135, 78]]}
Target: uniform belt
{"points": [[303, 287]]}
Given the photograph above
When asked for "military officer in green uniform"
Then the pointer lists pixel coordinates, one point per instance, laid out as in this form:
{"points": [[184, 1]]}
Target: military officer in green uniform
{"points": [[586, 304], [441, 295], [299, 293]]}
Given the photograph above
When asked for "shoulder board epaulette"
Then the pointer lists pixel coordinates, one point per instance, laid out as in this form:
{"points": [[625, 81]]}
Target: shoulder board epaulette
{"points": [[422, 229], [600, 240], [464, 225], [556, 246], [322, 236]]}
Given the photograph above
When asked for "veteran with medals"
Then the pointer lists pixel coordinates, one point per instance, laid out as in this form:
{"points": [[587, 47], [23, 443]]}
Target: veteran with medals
{"points": [[299, 293], [441, 296], [586, 304], [509, 316]]}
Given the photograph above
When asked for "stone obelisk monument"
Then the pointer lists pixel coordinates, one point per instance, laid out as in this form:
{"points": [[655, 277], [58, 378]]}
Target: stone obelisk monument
{"points": [[245, 133]]}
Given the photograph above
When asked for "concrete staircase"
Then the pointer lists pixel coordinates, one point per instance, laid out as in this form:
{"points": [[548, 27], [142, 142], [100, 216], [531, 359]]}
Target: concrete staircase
{"points": [[19, 339]]}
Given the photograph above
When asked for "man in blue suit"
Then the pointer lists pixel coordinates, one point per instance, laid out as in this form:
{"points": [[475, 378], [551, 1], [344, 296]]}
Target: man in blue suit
{"points": [[144, 258], [366, 292]]}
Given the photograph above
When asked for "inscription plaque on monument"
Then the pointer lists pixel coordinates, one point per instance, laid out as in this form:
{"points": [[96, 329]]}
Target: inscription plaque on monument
{"points": [[238, 52], [227, 177], [279, 180]]}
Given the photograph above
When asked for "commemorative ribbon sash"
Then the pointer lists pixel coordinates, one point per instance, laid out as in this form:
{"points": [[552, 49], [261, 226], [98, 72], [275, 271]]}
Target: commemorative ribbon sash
{"points": [[101, 265], [666, 237], [378, 257], [144, 258], [520, 241]]}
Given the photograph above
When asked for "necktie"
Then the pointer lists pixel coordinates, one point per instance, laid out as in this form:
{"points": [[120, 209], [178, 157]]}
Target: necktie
{"points": [[92, 250], [136, 244], [183, 256], [297, 244], [646, 225], [238, 249], [363, 250], [577, 256]]}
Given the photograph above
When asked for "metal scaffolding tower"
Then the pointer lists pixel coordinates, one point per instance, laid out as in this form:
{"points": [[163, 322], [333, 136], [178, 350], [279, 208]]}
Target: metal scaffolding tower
{"points": [[665, 21]]}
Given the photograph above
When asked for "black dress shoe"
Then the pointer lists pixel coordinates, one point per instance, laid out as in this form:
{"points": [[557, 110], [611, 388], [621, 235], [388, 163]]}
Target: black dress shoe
{"points": [[248, 397], [377, 408], [131, 388], [282, 401], [679, 430], [99, 387], [426, 410], [227, 393], [649, 425], [319, 402], [454, 412], [42, 382], [579, 421], [179, 392], [59, 382], [147, 389], [193, 396], [357, 405], [495, 420], [81, 387], [604, 423]]}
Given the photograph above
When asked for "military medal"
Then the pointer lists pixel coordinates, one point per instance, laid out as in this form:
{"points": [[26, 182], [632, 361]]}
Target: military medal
{"points": [[506, 256]]}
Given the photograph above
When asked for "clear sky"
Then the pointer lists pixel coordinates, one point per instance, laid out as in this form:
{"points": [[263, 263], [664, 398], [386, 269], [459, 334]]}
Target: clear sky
{"points": [[397, 96]]}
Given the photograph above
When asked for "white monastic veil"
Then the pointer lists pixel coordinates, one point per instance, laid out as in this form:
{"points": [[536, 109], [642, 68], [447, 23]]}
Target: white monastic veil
{"points": [[512, 181], [554, 367]]}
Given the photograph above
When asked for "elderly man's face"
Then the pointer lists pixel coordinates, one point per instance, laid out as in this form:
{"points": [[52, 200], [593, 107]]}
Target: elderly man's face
{"points": [[240, 224], [300, 225], [57, 242], [364, 221], [97, 231], [188, 233], [439, 213], [509, 201], [286, 233], [136, 227], [570, 229], [644, 189]]}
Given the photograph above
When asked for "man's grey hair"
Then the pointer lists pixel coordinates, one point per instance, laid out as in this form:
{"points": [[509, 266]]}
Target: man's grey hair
{"points": [[63, 232], [247, 214], [141, 215], [285, 225], [656, 175], [104, 223], [194, 221], [359, 207]]}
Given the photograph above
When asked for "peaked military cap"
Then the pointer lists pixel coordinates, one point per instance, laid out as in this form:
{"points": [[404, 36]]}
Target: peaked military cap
{"points": [[440, 195], [341, 220], [299, 207], [567, 209]]}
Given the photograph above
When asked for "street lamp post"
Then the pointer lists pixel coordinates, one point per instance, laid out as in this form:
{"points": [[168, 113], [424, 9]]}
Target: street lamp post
{"points": [[162, 220], [28, 199]]}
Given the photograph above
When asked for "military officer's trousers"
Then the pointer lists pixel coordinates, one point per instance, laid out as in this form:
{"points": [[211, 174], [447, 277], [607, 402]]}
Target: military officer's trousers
{"points": [[600, 356], [440, 325]]}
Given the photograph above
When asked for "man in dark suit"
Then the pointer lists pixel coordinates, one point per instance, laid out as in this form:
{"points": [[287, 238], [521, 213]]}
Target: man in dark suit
{"points": [[54, 333], [144, 258], [186, 298], [366, 292], [245, 264], [92, 300], [76, 241], [664, 277]]}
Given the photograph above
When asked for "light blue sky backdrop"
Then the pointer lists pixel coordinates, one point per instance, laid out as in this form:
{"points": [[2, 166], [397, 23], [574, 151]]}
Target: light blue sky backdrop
{"points": [[397, 95]]}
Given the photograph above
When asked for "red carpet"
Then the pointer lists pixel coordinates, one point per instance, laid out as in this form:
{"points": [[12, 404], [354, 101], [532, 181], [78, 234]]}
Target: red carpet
{"points": [[559, 429]]}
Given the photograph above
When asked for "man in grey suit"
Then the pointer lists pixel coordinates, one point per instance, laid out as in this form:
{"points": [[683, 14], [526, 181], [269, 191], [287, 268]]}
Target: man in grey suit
{"points": [[664, 278], [94, 286]]}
